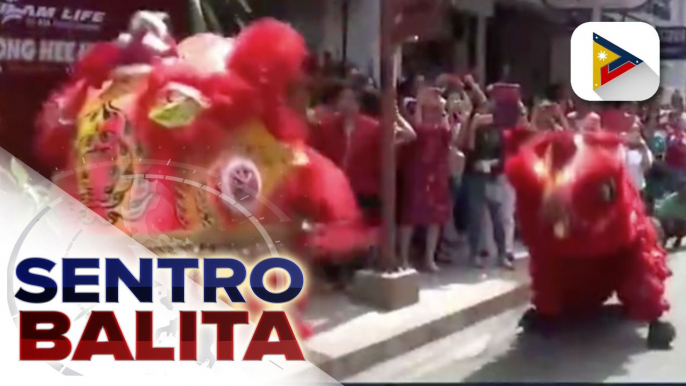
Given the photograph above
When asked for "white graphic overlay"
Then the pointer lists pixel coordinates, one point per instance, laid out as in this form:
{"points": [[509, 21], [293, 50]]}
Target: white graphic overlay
{"points": [[38, 221], [638, 39]]}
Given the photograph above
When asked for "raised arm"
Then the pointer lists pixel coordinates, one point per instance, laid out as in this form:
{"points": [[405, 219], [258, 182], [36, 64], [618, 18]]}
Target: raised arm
{"points": [[404, 132]]}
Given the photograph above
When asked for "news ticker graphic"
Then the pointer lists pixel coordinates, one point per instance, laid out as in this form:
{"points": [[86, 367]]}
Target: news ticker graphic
{"points": [[97, 285]]}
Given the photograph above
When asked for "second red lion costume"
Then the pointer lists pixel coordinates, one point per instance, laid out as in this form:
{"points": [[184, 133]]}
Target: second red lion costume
{"points": [[587, 232]]}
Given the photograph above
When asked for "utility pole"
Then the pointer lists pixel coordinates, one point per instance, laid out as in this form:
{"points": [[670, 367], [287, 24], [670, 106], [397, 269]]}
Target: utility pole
{"points": [[376, 287], [597, 13], [386, 258], [345, 12]]}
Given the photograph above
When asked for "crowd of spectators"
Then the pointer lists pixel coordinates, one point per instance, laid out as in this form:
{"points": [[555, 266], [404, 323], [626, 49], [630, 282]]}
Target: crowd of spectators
{"points": [[453, 137]]}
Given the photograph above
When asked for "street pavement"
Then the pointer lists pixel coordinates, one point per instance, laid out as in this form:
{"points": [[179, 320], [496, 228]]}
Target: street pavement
{"points": [[608, 349]]}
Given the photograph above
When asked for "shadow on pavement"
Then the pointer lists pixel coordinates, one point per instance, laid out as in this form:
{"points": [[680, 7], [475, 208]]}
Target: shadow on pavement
{"points": [[588, 351]]}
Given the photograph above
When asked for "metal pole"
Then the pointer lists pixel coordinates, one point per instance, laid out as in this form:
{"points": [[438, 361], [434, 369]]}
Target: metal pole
{"points": [[386, 259], [597, 14], [345, 11]]}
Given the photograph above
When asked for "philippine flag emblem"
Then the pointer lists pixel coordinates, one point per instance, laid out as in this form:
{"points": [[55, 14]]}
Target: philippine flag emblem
{"points": [[610, 61], [626, 61]]}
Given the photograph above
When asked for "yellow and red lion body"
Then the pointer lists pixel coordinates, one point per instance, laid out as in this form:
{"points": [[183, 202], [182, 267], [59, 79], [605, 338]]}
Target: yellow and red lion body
{"points": [[586, 228], [235, 125], [216, 107], [258, 174]]}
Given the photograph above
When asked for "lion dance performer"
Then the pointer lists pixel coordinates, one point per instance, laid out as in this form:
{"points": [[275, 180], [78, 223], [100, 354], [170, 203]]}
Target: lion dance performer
{"points": [[86, 132], [236, 124], [587, 232], [223, 109]]}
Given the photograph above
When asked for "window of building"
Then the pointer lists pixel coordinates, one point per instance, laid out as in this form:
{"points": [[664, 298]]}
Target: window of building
{"points": [[662, 9]]}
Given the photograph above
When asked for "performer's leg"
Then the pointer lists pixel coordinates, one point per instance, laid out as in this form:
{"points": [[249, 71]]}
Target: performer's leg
{"points": [[546, 281], [547, 300], [642, 292]]}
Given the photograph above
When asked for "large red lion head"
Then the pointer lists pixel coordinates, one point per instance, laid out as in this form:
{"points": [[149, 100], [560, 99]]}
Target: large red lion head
{"points": [[575, 197], [235, 123], [218, 87]]}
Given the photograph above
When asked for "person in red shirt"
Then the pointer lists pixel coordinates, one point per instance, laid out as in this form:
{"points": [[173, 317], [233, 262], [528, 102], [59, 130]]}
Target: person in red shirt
{"points": [[352, 140]]}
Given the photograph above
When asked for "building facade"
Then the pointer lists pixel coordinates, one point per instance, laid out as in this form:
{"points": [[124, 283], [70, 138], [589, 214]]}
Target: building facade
{"points": [[665, 13], [525, 41]]}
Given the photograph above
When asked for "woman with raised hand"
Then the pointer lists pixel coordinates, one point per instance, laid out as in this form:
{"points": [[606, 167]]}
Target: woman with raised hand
{"points": [[425, 190]]}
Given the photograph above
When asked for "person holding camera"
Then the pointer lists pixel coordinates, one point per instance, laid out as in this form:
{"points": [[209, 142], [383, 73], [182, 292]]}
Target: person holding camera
{"points": [[483, 143]]}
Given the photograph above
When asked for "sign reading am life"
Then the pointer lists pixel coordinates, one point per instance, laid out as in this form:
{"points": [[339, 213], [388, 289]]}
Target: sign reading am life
{"points": [[22, 21], [50, 16]]}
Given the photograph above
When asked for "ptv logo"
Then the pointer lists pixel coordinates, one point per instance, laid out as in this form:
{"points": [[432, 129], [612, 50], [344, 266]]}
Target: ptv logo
{"points": [[615, 61]]}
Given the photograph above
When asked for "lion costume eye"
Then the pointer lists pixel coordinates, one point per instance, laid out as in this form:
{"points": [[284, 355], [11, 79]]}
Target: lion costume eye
{"points": [[173, 96], [608, 191], [178, 107]]}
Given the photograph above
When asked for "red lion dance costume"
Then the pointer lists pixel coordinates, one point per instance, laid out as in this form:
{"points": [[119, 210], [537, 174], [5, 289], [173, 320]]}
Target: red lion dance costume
{"points": [[230, 117], [234, 122], [86, 129], [587, 232], [217, 107]]}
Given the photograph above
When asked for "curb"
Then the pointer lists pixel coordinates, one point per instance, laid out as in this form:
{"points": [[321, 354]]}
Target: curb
{"points": [[362, 359]]}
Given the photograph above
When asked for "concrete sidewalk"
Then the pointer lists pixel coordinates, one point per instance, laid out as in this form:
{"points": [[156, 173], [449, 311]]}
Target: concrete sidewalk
{"points": [[350, 338]]}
